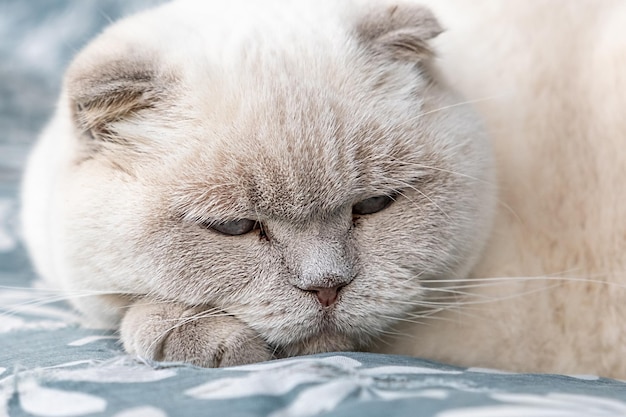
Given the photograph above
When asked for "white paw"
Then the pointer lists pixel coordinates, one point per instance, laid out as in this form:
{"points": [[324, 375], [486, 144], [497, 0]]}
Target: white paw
{"points": [[199, 335]]}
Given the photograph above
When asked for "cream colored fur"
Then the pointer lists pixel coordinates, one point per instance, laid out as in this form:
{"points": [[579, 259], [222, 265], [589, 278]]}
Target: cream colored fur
{"points": [[291, 112], [553, 73]]}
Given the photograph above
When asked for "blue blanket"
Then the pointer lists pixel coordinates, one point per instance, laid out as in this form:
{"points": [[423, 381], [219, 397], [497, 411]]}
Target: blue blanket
{"points": [[50, 366]]}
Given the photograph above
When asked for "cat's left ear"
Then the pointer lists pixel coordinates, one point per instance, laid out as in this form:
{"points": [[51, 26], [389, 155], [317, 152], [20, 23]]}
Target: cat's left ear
{"points": [[400, 31], [104, 92]]}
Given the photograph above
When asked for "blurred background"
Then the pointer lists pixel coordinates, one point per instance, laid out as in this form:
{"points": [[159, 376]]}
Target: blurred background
{"points": [[38, 39]]}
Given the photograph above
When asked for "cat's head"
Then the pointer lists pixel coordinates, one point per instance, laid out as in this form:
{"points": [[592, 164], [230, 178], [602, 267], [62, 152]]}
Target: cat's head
{"points": [[301, 165]]}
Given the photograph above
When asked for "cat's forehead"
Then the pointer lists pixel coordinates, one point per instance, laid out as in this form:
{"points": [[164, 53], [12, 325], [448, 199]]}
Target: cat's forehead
{"points": [[300, 153], [294, 125]]}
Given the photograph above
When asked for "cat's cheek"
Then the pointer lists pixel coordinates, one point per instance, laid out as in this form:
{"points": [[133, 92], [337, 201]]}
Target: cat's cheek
{"points": [[194, 265]]}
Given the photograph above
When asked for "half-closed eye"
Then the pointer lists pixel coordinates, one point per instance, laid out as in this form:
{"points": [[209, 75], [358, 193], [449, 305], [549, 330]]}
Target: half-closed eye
{"points": [[235, 227], [372, 205]]}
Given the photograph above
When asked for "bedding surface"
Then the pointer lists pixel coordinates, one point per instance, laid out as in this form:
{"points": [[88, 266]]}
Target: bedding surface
{"points": [[50, 366]]}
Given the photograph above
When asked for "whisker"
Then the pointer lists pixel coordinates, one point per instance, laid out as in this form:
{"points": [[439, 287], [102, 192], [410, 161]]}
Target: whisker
{"points": [[499, 201], [445, 171], [458, 312], [404, 319], [450, 106], [30, 305], [451, 292], [468, 282], [407, 185], [181, 321]]}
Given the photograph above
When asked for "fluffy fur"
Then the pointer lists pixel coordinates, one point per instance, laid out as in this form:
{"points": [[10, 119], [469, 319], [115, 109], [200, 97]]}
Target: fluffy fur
{"points": [[292, 112]]}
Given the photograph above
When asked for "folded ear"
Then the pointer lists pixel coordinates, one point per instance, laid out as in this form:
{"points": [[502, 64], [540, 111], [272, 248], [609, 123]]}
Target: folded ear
{"points": [[400, 31], [104, 93]]}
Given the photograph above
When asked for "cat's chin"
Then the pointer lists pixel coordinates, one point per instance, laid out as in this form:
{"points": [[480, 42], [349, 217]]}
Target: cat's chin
{"points": [[324, 332], [321, 343]]}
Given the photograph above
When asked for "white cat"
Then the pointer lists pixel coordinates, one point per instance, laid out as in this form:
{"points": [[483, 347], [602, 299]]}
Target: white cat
{"points": [[234, 181]]}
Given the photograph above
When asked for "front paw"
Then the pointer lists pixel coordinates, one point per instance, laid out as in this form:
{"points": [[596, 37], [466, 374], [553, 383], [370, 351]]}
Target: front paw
{"points": [[199, 335]]}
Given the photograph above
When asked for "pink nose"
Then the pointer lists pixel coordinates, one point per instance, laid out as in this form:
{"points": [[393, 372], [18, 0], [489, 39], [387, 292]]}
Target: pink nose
{"points": [[326, 295]]}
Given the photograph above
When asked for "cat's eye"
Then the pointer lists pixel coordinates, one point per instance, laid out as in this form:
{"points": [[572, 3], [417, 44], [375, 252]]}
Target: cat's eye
{"points": [[236, 227], [372, 205]]}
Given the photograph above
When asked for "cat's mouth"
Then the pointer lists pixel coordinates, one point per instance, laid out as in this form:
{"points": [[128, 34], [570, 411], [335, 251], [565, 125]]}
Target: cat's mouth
{"points": [[323, 328], [309, 321]]}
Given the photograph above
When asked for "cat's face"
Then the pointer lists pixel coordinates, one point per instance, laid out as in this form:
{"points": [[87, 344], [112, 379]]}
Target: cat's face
{"points": [[309, 180]]}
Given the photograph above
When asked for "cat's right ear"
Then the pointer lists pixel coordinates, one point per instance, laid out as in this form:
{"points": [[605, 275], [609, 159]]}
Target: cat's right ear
{"points": [[400, 31], [103, 93]]}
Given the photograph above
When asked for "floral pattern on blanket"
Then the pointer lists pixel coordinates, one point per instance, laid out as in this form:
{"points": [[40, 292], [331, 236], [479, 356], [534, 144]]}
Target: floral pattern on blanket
{"points": [[50, 366], [86, 374]]}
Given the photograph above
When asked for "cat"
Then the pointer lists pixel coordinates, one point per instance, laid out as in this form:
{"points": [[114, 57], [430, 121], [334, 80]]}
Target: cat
{"points": [[231, 182]]}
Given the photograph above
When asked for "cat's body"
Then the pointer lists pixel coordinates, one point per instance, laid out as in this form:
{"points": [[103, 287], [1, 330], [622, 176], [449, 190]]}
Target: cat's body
{"points": [[303, 116], [553, 79]]}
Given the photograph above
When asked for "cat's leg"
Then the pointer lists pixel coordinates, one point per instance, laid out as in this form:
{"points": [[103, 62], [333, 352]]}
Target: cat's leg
{"points": [[198, 335]]}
